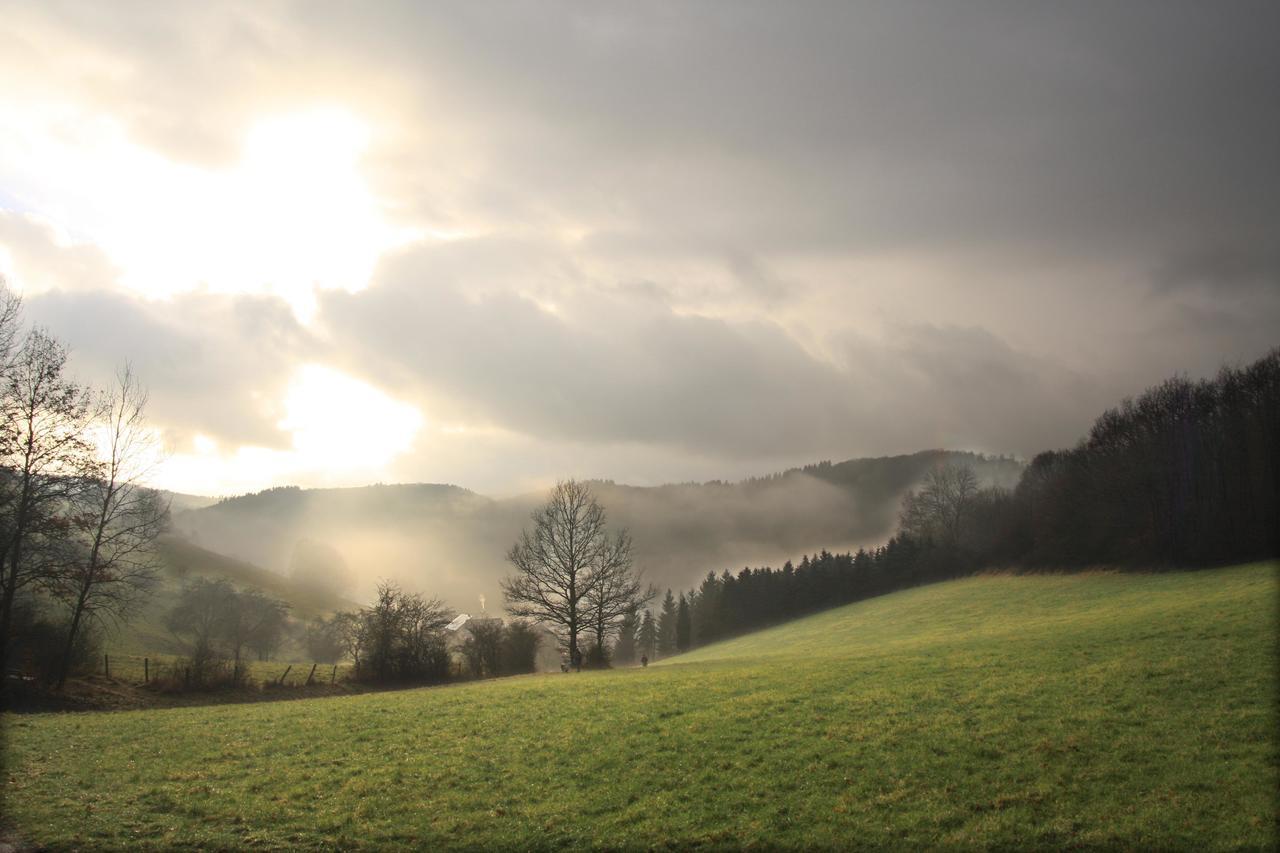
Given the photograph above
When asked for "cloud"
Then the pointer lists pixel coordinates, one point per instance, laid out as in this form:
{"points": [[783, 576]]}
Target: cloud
{"points": [[1223, 267], [215, 365], [598, 366], [958, 386], [742, 127], [40, 258], [678, 237], [622, 366]]}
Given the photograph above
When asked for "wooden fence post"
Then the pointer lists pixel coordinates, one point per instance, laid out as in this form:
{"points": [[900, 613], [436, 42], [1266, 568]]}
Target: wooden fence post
{"points": [[310, 674], [286, 674], [334, 675], [106, 665]]}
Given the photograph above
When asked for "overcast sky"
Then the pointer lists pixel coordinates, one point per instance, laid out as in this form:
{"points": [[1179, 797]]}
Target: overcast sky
{"points": [[499, 244]]}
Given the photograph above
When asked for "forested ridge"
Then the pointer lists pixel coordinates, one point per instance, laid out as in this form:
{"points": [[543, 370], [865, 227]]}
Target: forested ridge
{"points": [[1187, 474]]}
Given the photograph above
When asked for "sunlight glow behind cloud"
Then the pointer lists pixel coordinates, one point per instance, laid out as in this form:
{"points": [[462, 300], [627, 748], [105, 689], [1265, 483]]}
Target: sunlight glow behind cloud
{"points": [[294, 214], [344, 432], [340, 423]]}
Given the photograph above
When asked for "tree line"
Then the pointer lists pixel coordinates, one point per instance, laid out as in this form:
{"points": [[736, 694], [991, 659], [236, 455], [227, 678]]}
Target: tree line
{"points": [[401, 638], [220, 625], [404, 637], [1185, 475], [77, 525]]}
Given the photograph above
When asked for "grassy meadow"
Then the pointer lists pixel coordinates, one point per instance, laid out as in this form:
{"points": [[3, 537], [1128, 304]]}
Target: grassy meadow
{"points": [[1090, 710], [136, 668]]}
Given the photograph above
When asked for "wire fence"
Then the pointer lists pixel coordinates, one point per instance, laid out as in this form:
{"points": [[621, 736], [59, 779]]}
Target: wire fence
{"points": [[176, 670]]}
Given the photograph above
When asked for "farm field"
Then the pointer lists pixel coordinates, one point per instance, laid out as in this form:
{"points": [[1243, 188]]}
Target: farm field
{"points": [[1095, 710]]}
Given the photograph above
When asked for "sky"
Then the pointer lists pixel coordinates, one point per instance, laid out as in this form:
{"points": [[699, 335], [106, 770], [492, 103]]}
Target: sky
{"points": [[499, 244]]}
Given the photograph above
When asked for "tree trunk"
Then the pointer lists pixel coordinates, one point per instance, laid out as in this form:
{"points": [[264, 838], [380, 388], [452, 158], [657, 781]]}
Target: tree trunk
{"points": [[6, 607], [10, 581], [575, 656], [64, 667]]}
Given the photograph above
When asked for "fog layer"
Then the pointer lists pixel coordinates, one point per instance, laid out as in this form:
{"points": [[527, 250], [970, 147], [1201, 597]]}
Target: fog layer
{"points": [[450, 542]]}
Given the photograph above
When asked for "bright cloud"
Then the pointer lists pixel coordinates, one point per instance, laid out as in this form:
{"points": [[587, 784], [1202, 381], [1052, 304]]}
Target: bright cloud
{"points": [[293, 215], [343, 432]]}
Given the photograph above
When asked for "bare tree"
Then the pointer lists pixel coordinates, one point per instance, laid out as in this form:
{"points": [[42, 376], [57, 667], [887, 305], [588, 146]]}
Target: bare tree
{"points": [[421, 651], [44, 456], [253, 620], [217, 619], [270, 624], [483, 649], [200, 615], [115, 521], [399, 638], [10, 324], [324, 639], [618, 590], [939, 508], [353, 639], [558, 563]]}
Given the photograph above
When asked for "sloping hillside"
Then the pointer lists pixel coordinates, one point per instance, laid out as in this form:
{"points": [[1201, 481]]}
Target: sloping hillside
{"points": [[1099, 711], [145, 633], [451, 542]]}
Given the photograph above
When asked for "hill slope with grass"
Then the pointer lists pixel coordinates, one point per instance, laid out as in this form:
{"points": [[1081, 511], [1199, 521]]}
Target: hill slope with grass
{"points": [[145, 633], [1098, 710]]}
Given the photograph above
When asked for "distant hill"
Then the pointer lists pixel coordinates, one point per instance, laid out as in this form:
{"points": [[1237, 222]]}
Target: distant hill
{"points": [[448, 541], [179, 502]]}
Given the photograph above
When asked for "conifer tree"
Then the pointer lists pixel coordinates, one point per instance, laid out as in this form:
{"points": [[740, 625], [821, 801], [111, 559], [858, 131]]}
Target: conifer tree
{"points": [[684, 628], [648, 637], [667, 627], [705, 611], [624, 650]]}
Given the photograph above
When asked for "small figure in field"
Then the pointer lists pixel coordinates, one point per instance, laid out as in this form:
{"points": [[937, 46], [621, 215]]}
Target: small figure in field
{"points": [[644, 660]]}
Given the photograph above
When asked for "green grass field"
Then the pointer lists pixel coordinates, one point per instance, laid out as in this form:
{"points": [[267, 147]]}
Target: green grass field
{"points": [[1097, 710]]}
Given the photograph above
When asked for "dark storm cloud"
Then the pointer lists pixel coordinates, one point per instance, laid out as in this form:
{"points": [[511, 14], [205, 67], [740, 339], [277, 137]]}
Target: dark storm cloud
{"points": [[1076, 127]]}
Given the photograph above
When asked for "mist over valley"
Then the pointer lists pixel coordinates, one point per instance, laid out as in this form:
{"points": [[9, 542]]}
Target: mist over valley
{"points": [[450, 542]]}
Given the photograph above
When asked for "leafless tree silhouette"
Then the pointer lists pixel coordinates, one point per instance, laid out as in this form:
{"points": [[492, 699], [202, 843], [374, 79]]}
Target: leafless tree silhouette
{"points": [[112, 562], [563, 561]]}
